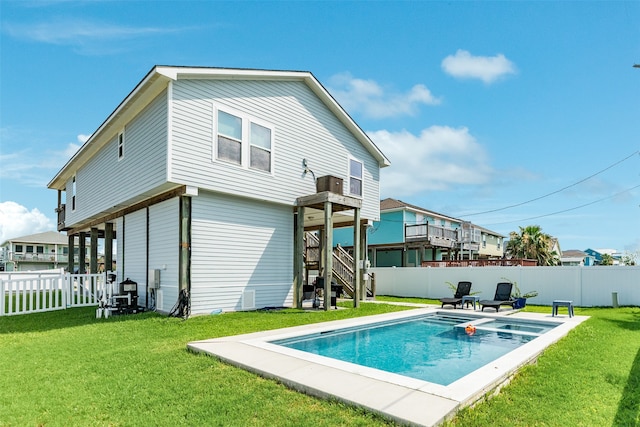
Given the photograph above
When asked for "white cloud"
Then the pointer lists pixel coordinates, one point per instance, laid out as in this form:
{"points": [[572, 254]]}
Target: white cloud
{"points": [[370, 99], [88, 37], [437, 159], [16, 220], [82, 138], [486, 68], [34, 168]]}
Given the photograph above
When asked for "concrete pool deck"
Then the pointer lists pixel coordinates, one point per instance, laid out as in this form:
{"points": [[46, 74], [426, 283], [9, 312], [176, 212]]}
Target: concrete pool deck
{"points": [[399, 398]]}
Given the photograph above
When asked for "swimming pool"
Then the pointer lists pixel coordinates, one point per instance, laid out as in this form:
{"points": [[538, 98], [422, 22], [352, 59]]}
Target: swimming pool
{"points": [[396, 396], [436, 347]]}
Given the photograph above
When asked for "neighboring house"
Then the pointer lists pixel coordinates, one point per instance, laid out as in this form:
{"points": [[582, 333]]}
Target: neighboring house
{"points": [[198, 175], [41, 251], [407, 234], [596, 255], [491, 244], [574, 257]]}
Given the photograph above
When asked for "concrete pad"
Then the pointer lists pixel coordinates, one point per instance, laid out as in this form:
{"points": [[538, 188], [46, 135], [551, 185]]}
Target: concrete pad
{"points": [[399, 398]]}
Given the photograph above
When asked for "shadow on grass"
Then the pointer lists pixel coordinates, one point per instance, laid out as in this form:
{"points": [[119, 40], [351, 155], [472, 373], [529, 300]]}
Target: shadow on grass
{"points": [[72, 317], [629, 407]]}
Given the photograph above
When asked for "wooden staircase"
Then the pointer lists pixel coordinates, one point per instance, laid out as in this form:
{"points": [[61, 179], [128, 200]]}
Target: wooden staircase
{"points": [[343, 264]]}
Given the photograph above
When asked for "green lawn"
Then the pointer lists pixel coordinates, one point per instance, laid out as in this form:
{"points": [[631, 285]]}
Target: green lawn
{"points": [[68, 368]]}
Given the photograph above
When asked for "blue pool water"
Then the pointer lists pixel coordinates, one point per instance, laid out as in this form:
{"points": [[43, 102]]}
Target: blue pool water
{"points": [[434, 347]]}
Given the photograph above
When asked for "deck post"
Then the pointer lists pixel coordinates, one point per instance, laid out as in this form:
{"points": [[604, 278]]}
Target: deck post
{"points": [[357, 291], [364, 256], [71, 253], [93, 257], [298, 257], [327, 253], [108, 246], [82, 255]]}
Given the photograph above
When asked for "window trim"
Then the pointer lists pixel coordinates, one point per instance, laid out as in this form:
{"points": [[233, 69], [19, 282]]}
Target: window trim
{"points": [[361, 178], [246, 144]]}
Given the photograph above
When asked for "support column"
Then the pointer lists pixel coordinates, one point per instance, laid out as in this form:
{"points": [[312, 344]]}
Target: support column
{"points": [[71, 253], [327, 252], [108, 246], [298, 257], [184, 263], [357, 280], [82, 255], [93, 257], [364, 255]]}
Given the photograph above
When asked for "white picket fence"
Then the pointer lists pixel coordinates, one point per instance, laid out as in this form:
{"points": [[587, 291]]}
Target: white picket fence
{"points": [[38, 292]]}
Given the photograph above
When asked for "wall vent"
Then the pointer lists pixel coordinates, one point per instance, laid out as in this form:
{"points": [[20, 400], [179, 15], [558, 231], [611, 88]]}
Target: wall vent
{"points": [[249, 300]]}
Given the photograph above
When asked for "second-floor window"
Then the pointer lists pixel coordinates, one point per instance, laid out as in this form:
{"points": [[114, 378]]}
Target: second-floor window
{"points": [[229, 138], [355, 177], [120, 145], [40, 249], [29, 249], [243, 141], [73, 194], [19, 249]]}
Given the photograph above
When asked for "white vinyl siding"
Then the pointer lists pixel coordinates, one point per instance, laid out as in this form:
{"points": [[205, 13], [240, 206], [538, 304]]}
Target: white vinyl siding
{"points": [[304, 128], [135, 247], [240, 245], [106, 181], [164, 242]]}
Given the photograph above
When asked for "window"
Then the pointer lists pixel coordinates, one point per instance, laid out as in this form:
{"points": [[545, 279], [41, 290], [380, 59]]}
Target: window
{"points": [[499, 242], [19, 249], [73, 194], [229, 138], [40, 249], [484, 240], [120, 145], [29, 249], [243, 141], [260, 151], [355, 177]]}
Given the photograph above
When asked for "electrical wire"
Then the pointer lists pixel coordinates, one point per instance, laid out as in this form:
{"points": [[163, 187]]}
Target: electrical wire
{"points": [[556, 191], [570, 209]]}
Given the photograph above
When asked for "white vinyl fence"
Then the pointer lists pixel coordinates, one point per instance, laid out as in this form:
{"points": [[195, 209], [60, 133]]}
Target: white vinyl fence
{"points": [[585, 286], [36, 292]]}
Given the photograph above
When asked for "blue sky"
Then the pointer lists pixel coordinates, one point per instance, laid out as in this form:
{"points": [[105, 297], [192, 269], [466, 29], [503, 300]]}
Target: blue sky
{"points": [[480, 106]]}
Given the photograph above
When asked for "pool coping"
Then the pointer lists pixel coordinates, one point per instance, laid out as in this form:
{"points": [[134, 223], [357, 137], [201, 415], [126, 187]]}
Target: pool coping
{"points": [[402, 399]]}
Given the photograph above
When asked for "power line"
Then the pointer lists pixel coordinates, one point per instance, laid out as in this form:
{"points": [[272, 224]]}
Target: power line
{"points": [[557, 191], [568, 210]]}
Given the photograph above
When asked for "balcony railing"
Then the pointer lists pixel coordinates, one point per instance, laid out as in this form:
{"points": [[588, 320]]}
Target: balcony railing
{"points": [[435, 235], [61, 210], [482, 263], [60, 258]]}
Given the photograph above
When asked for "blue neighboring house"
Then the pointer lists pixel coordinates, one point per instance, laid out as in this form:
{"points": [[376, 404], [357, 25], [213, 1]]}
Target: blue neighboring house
{"points": [[407, 234]]}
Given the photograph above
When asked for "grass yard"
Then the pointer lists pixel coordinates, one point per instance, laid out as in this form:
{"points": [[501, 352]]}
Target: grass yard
{"points": [[68, 368]]}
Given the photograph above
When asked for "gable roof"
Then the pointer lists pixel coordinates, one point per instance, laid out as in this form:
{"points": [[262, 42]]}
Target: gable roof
{"points": [[159, 77], [390, 204], [47, 238]]}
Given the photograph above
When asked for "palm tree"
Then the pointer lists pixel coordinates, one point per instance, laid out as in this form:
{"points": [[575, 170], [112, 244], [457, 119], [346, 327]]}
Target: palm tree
{"points": [[606, 259], [532, 243]]}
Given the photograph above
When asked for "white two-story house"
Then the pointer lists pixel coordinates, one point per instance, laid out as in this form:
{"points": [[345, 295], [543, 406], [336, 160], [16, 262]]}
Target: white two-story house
{"points": [[196, 179]]}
